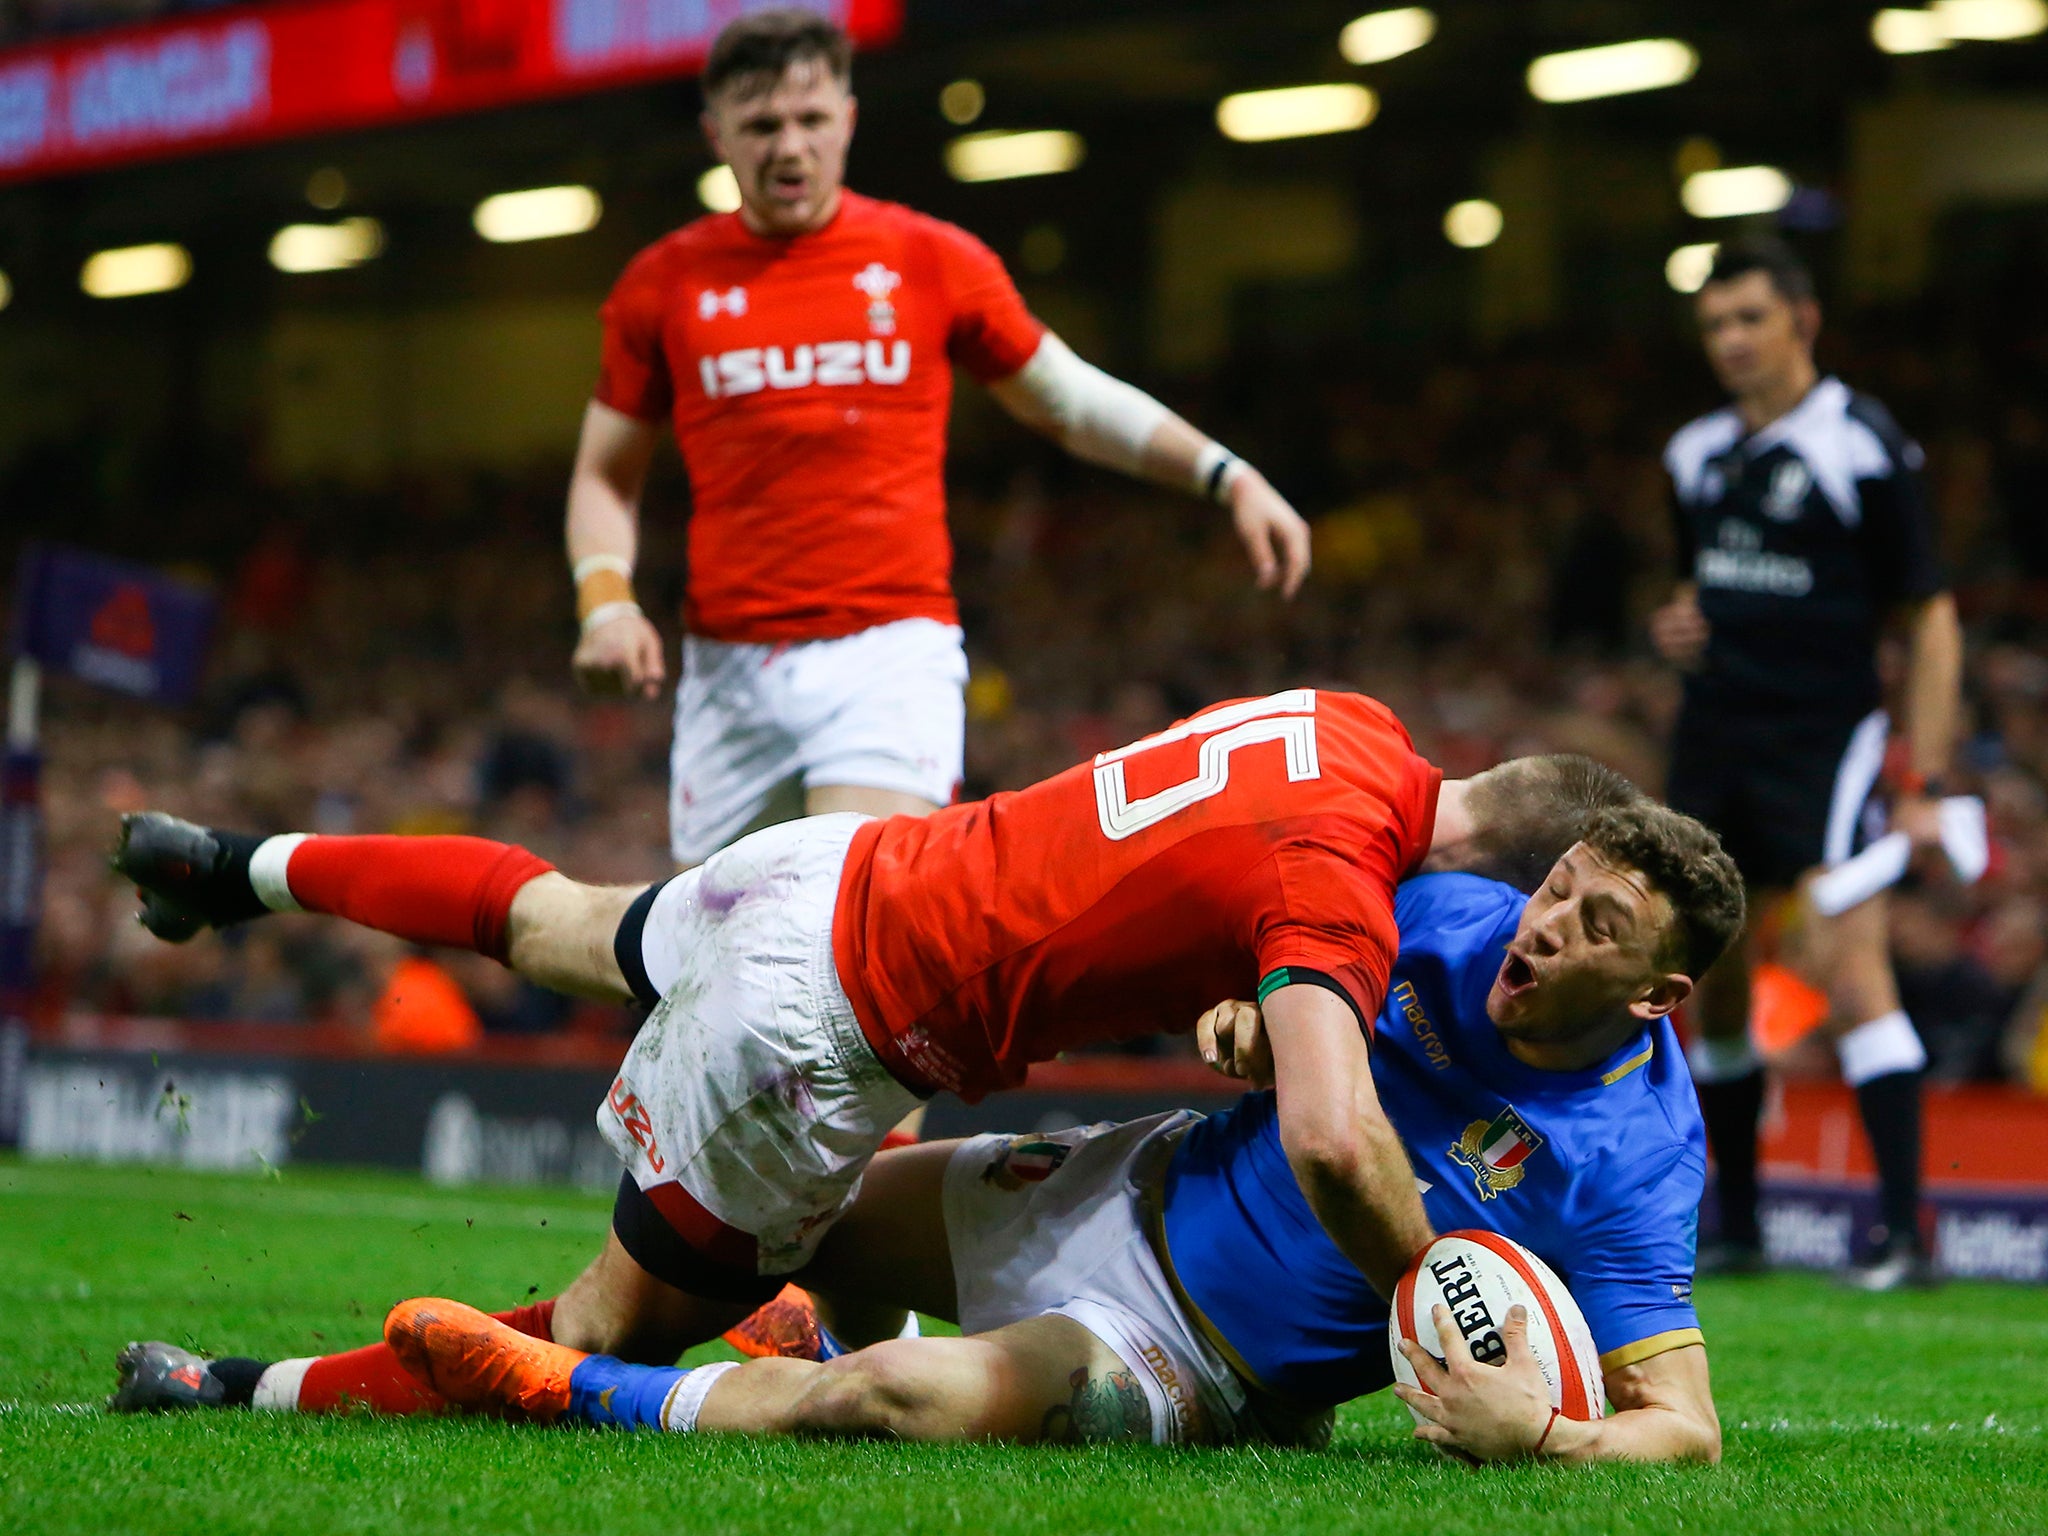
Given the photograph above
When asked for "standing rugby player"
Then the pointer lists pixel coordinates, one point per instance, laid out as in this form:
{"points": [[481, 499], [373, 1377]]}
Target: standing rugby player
{"points": [[1804, 530], [802, 350]]}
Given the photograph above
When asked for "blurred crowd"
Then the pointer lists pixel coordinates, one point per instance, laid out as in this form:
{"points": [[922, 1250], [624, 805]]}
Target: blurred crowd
{"points": [[33, 21], [1490, 536]]}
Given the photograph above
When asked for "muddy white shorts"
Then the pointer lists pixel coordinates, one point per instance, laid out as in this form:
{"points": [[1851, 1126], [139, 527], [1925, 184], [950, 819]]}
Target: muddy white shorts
{"points": [[880, 709], [750, 1102], [1055, 1222]]}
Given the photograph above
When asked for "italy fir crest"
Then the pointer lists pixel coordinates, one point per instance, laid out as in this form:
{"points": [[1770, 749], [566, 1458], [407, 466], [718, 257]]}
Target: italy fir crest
{"points": [[1495, 1150]]}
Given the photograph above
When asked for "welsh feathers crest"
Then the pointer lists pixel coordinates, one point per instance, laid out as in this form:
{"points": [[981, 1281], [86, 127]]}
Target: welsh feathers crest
{"points": [[878, 283]]}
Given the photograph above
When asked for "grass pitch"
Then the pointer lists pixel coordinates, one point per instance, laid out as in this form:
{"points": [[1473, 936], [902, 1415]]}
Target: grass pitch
{"points": [[1917, 1413]]}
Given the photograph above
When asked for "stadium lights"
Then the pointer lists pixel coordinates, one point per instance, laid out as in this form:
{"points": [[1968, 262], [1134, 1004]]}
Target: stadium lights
{"points": [[1990, 21], [1385, 35], [541, 213], [1000, 154], [1295, 112], [135, 269], [1649, 64], [326, 247], [719, 190], [1735, 191], [1901, 31], [1686, 268], [962, 102], [1945, 23], [1472, 223]]}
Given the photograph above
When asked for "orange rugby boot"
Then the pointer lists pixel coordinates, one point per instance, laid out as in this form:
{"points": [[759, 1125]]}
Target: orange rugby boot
{"points": [[788, 1326], [477, 1362]]}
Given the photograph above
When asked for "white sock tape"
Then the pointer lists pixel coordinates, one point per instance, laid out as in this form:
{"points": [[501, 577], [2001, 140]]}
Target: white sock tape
{"points": [[1879, 1048], [679, 1413], [277, 1389], [1721, 1061], [266, 871]]}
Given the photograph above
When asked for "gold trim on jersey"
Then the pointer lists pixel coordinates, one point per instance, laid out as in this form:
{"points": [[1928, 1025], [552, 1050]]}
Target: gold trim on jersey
{"points": [[1609, 1079], [1655, 1344]]}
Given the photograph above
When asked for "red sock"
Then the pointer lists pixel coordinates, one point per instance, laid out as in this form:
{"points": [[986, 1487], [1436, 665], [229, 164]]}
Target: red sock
{"points": [[433, 890], [372, 1378]]}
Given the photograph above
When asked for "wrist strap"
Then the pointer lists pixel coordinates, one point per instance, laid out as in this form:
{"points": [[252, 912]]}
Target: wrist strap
{"points": [[1913, 782], [590, 565], [1216, 470], [1537, 1448], [604, 613]]}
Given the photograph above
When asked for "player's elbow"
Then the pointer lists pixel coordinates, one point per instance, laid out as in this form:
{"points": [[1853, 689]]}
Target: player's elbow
{"points": [[1691, 1433], [1326, 1154], [1704, 1443]]}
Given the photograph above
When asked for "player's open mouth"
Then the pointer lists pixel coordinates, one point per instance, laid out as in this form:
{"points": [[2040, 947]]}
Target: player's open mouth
{"points": [[1516, 975]]}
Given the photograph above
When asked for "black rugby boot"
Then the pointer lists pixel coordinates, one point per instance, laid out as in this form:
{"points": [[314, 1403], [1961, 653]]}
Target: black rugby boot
{"points": [[190, 877], [156, 1376]]}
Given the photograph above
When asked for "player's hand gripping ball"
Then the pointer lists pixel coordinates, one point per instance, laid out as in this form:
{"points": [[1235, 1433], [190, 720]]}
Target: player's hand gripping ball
{"points": [[1457, 1304]]}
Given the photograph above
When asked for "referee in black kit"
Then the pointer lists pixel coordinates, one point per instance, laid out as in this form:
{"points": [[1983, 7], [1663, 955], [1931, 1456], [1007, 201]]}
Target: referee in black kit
{"points": [[1804, 531]]}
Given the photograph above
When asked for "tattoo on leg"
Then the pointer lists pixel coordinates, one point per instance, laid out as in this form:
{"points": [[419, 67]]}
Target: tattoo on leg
{"points": [[1104, 1409]]}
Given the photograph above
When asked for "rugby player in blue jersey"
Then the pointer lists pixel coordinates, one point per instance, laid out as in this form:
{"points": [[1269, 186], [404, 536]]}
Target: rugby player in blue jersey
{"points": [[1167, 1280]]}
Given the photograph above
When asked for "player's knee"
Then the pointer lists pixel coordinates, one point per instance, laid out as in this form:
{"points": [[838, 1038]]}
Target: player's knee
{"points": [[876, 1391]]}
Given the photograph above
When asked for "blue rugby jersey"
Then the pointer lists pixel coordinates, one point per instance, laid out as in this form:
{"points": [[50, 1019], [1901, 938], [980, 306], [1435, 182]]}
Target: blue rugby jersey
{"points": [[1598, 1171]]}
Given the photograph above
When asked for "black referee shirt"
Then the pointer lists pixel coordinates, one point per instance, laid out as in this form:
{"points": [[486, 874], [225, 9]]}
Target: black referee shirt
{"points": [[1801, 537]]}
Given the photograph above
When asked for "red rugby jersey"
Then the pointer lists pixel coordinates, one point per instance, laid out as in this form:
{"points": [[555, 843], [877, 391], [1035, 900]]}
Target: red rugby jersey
{"points": [[809, 382], [1126, 895]]}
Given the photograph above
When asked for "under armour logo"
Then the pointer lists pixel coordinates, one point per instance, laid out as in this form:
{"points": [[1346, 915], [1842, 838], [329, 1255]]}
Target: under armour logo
{"points": [[711, 303]]}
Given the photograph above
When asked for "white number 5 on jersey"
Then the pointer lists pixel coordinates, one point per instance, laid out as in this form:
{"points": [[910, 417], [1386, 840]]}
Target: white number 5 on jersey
{"points": [[1288, 718]]}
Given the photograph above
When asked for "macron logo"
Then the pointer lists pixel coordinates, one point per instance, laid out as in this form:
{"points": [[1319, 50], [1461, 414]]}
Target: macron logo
{"points": [[711, 303]]}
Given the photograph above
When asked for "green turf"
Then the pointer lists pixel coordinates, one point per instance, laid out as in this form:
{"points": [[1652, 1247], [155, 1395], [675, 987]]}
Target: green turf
{"points": [[1919, 1413]]}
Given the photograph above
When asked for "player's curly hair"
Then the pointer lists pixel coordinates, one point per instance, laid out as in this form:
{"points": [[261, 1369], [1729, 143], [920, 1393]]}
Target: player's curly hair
{"points": [[1527, 812], [1683, 859], [763, 44]]}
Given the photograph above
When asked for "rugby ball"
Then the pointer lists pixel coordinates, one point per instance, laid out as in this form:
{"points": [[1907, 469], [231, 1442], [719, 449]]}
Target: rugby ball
{"points": [[1478, 1276]]}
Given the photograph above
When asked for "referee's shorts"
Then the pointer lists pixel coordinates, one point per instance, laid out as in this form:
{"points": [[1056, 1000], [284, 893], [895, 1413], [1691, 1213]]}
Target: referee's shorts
{"points": [[1786, 791]]}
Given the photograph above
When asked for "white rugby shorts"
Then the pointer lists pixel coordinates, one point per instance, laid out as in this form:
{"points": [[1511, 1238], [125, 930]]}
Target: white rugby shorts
{"points": [[751, 1085], [1055, 1223], [881, 709]]}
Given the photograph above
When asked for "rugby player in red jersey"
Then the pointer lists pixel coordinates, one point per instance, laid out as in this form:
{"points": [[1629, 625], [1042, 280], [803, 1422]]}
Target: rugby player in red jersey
{"points": [[802, 350], [816, 979]]}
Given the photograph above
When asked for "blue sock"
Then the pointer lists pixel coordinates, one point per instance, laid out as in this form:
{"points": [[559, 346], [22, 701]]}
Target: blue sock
{"points": [[611, 1394]]}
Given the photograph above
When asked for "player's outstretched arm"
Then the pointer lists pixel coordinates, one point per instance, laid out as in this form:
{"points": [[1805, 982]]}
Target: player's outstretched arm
{"points": [[619, 650], [1111, 423], [1344, 1152], [1663, 1406]]}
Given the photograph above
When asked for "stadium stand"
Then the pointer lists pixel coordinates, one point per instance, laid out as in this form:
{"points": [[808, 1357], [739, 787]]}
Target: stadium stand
{"points": [[393, 661]]}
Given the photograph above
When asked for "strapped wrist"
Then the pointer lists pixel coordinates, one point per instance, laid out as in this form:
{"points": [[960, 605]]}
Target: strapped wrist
{"points": [[604, 613], [590, 565], [603, 587], [1914, 783], [1217, 469]]}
